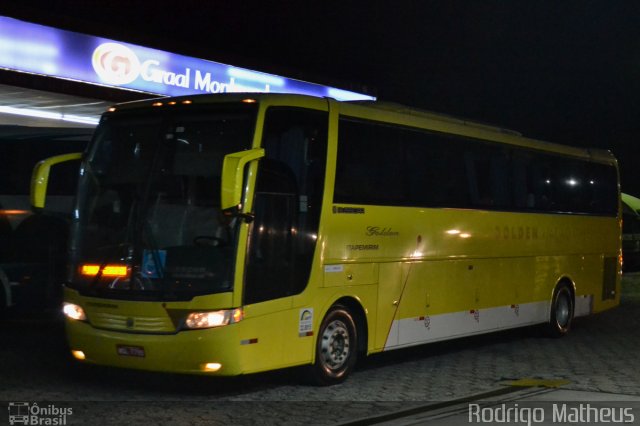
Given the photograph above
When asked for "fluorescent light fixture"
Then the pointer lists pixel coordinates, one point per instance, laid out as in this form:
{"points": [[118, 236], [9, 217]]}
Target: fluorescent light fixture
{"points": [[258, 77], [11, 46], [27, 112], [345, 95]]}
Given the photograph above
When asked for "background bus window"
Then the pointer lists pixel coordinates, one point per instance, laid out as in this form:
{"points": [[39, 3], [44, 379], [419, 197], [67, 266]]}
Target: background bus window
{"points": [[33, 246]]}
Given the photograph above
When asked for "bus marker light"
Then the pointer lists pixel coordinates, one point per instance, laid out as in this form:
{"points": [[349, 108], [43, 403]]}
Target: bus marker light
{"points": [[79, 355]]}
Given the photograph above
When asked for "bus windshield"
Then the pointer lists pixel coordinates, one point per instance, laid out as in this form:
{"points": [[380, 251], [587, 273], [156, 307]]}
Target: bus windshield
{"points": [[148, 222]]}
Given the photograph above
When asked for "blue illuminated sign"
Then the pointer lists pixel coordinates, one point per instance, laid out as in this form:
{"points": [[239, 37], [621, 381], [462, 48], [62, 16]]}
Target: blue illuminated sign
{"points": [[52, 52]]}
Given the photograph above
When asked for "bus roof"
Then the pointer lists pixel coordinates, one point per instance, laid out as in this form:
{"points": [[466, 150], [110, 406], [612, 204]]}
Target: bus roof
{"points": [[394, 113]]}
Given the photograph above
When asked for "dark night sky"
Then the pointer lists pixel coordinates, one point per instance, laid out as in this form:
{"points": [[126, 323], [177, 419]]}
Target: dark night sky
{"points": [[563, 71]]}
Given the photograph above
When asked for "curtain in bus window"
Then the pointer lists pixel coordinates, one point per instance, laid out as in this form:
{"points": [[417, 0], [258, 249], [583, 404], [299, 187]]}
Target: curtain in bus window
{"points": [[488, 169], [370, 167]]}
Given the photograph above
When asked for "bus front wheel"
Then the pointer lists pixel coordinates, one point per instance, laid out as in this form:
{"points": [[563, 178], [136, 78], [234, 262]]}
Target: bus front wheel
{"points": [[336, 347], [561, 314]]}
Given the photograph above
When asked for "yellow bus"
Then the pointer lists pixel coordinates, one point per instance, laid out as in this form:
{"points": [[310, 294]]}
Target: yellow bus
{"points": [[233, 234]]}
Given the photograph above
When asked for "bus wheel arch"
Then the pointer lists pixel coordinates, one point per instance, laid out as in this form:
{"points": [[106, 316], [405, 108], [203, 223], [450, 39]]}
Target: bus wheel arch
{"points": [[561, 308], [360, 317], [342, 335]]}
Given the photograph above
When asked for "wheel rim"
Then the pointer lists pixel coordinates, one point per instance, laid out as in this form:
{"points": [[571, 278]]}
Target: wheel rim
{"points": [[563, 310], [335, 346]]}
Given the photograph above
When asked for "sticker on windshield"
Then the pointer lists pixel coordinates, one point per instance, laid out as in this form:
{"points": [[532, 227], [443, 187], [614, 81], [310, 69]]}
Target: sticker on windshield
{"points": [[305, 325], [153, 262]]}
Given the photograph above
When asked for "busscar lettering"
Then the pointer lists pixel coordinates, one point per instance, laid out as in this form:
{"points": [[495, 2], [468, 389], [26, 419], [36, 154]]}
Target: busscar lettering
{"points": [[359, 247], [348, 210]]}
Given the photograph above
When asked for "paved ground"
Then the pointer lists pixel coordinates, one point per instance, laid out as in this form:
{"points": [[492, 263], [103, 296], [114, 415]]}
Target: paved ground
{"points": [[600, 355]]}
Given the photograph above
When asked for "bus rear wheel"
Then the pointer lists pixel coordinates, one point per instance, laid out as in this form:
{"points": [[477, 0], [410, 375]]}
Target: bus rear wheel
{"points": [[561, 314], [336, 348]]}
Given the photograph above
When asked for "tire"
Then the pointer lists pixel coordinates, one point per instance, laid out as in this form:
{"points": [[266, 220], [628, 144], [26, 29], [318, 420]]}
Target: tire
{"points": [[561, 314], [336, 348]]}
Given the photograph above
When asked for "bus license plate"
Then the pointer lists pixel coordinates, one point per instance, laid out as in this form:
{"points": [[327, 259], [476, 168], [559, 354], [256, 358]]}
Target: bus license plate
{"points": [[137, 351]]}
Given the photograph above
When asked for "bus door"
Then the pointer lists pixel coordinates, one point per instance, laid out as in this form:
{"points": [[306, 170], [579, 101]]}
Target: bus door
{"points": [[283, 234]]}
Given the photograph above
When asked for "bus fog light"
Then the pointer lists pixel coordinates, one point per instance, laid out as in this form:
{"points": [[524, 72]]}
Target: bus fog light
{"points": [[212, 366], [79, 355], [213, 318], [73, 311]]}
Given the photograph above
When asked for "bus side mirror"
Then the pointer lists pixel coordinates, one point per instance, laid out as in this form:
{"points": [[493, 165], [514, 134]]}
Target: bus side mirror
{"points": [[40, 177], [233, 176]]}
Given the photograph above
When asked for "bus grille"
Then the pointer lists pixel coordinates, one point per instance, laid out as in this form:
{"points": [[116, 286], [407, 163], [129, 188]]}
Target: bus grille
{"points": [[131, 323]]}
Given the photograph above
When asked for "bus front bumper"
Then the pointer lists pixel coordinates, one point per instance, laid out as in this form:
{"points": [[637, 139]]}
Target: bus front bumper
{"points": [[206, 351]]}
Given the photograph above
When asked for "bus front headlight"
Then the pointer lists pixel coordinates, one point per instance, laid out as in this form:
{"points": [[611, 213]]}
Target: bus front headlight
{"points": [[73, 311], [213, 318]]}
